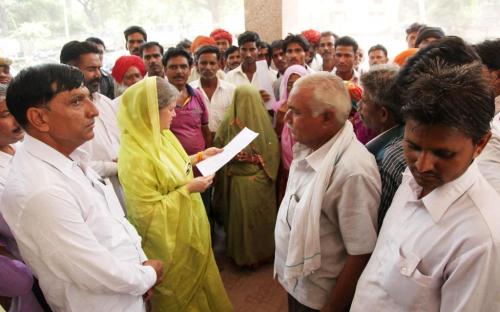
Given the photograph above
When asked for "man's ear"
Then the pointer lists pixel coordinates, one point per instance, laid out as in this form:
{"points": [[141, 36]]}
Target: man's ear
{"points": [[481, 144], [384, 114], [328, 116], [38, 118]]}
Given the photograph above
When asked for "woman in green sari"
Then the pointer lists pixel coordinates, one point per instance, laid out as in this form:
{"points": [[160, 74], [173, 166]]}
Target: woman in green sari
{"points": [[245, 188], [163, 200]]}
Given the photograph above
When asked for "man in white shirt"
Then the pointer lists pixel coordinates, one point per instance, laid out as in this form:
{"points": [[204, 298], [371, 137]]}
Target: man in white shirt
{"points": [[216, 92], [68, 224], [439, 246], [327, 221], [295, 48], [346, 49], [103, 148], [247, 73]]}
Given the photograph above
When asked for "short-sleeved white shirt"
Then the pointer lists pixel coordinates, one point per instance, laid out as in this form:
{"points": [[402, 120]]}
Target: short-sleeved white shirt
{"points": [[348, 222], [237, 77], [218, 104], [437, 253]]}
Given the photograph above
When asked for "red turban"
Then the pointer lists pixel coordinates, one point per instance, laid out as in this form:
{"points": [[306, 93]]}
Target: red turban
{"points": [[201, 41], [123, 63], [220, 33], [355, 91], [402, 57], [312, 36]]}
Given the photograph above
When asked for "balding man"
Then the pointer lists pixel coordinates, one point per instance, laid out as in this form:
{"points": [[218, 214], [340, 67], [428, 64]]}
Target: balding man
{"points": [[325, 230]]}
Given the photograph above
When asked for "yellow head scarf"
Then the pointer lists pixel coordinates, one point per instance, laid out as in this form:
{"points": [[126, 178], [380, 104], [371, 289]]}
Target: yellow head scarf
{"points": [[154, 169]]}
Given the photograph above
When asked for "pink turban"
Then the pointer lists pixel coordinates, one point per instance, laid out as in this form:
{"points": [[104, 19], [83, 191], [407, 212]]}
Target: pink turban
{"points": [[123, 63], [220, 33]]}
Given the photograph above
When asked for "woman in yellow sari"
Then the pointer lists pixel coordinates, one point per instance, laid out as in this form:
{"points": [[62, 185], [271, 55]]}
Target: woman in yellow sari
{"points": [[245, 189], [163, 200]]}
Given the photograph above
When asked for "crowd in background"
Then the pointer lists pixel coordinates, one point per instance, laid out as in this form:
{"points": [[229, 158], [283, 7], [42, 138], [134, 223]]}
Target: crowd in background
{"points": [[371, 189]]}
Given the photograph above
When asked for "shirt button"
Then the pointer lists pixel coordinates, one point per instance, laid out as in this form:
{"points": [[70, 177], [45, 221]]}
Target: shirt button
{"points": [[404, 271]]}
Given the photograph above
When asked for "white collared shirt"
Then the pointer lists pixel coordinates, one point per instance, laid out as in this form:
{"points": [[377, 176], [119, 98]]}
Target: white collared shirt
{"points": [[72, 233], [237, 77], [437, 253], [4, 169], [354, 78], [104, 147], [348, 222], [217, 106], [489, 160]]}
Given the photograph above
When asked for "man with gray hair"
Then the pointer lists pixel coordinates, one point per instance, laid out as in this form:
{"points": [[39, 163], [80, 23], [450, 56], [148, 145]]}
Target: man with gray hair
{"points": [[382, 114], [325, 230]]}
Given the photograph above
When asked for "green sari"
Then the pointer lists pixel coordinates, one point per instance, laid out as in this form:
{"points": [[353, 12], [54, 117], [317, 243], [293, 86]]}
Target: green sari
{"points": [[245, 192], [154, 169]]}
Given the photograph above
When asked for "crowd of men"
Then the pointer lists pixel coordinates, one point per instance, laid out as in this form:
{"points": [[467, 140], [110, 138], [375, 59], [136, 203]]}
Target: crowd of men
{"points": [[399, 212]]}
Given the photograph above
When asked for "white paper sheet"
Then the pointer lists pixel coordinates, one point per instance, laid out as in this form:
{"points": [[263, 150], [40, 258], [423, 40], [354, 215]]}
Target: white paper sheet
{"points": [[211, 165], [265, 82]]}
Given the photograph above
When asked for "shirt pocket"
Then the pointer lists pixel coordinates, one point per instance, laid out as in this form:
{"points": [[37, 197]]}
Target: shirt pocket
{"points": [[411, 289]]}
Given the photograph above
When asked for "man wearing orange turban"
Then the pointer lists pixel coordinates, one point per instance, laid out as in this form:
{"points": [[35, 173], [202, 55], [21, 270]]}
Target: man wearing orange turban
{"points": [[199, 42]]}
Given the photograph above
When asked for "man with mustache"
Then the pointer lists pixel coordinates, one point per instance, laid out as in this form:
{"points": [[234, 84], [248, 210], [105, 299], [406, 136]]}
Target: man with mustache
{"points": [[151, 53], [246, 73], [190, 124], [346, 49], [135, 36], [232, 58], [439, 245], [67, 221], [216, 92], [327, 50], [103, 148], [295, 48]]}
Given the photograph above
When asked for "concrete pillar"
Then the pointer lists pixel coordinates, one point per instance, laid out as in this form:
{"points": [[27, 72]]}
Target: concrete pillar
{"points": [[265, 17]]}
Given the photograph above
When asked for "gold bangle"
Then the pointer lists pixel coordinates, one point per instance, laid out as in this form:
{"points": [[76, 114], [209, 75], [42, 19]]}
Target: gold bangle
{"points": [[199, 157]]}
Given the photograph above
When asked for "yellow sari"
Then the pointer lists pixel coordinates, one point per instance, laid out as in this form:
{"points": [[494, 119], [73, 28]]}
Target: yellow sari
{"points": [[154, 169]]}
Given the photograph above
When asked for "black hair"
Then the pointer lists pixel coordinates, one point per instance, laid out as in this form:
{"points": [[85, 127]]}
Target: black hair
{"points": [[265, 45], [329, 33], [347, 41], [451, 49], [208, 49], [378, 47], [173, 52], [135, 29], [248, 36], [71, 51], [230, 50], [96, 40], [415, 27], [377, 83], [150, 44], [36, 86], [299, 39], [184, 44], [277, 45], [489, 51], [456, 96]]}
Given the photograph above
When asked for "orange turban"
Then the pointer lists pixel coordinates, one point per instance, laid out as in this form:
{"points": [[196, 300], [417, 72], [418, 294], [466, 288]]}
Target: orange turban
{"points": [[201, 41], [401, 58], [220, 33], [123, 63], [312, 36]]}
